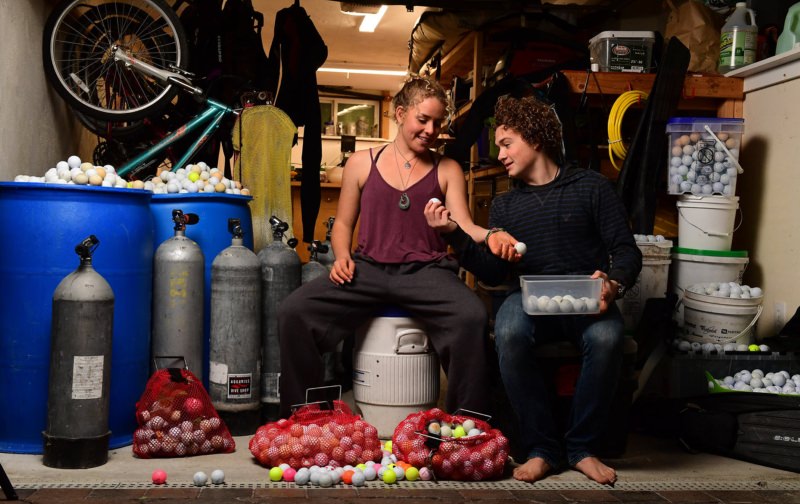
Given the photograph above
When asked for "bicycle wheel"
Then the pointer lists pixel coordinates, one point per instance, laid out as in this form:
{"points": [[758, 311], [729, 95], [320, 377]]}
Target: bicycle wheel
{"points": [[78, 43]]}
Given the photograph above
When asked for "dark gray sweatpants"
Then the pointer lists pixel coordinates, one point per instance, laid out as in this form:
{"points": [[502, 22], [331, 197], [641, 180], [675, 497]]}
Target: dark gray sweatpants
{"points": [[318, 315]]}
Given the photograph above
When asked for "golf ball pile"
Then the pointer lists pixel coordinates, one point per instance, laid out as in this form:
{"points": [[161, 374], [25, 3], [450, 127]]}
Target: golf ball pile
{"points": [[730, 290], [327, 443], [696, 347], [562, 305], [699, 164], [176, 426], [389, 470], [194, 178], [780, 382], [642, 238], [444, 429]]}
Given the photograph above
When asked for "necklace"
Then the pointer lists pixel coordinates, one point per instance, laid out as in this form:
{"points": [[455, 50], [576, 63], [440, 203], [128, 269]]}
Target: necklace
{"points": [[404, 202], [407, 164]]}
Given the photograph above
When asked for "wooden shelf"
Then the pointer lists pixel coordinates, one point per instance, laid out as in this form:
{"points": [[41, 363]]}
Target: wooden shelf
{"points": [[723, 95]]}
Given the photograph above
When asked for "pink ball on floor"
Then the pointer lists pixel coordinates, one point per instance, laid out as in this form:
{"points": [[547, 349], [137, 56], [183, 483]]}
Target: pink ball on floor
{"points": [[159, 477]]}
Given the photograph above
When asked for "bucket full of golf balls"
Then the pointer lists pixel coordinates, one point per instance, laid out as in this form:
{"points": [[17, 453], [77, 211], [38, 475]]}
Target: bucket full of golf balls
{"points": [[703, 155]]}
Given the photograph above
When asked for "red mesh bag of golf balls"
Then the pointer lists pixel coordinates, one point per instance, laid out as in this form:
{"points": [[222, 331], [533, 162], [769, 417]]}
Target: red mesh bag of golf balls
{"points": [[176, 418], [317, 436], [455, 447]]}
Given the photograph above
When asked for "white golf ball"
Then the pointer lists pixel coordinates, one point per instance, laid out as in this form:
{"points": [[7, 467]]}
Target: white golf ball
{"points": [[521, 248], [200, 478], [217, 477]]}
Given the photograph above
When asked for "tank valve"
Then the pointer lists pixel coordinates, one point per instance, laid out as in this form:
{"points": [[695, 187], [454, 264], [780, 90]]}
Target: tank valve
{"points": [[279, 229], [182, 220], [317, 247], [235, 228], [85, 249]]}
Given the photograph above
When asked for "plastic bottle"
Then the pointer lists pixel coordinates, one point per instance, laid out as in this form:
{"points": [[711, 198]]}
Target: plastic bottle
{"points": [[737, 40]]}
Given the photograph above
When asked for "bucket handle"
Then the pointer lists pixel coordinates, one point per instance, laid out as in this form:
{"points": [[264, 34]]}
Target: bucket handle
{"points": [[712, 233]]}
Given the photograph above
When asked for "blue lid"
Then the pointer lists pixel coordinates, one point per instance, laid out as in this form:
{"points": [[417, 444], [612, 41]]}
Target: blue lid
{"points": [[392, 311]]}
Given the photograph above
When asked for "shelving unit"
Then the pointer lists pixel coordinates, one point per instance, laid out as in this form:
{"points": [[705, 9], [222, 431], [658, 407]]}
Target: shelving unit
{"points": [[702, 94]]}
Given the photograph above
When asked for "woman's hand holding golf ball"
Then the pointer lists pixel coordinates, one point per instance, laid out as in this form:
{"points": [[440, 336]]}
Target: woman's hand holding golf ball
{"points": [[438, 216]]}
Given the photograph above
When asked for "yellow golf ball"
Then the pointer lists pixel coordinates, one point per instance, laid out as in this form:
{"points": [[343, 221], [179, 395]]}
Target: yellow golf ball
{"points": [[412, 474], [389, 476], [388, 445], [193, 176], [275, 474], [459, 432], [753, 348]]}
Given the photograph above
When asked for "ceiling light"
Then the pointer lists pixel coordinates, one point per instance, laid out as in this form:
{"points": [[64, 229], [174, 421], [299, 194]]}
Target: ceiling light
{"points": [[370, 21], [364, 71]]}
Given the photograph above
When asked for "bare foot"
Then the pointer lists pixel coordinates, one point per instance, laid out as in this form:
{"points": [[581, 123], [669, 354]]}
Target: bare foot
{"points": [[597, 471], [532, 470]]}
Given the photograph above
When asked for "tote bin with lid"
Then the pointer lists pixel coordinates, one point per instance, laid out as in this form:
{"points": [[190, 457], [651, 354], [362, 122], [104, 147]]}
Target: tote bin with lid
{"points": [[210, 233], [395, 370], [41, 225], [703, 154]]}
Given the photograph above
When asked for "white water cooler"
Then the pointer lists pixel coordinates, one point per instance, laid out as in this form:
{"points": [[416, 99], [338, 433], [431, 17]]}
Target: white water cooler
{"points": [[395, 370]]}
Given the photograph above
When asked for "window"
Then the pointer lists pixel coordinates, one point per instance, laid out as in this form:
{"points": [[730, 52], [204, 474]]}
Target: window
{"points": [[350, 117]]}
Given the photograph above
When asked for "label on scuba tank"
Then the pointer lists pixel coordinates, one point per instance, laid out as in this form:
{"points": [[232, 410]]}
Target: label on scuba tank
{"points": [[217, 373], [239, 386], [737, 48], [87, 377]]}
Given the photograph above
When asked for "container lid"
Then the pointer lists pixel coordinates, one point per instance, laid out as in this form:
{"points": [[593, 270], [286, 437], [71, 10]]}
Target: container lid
{"points": [[710, 253], [622, 34]]}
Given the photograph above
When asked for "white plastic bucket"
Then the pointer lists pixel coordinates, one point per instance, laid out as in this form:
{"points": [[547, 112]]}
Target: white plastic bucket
{"points": [[651, 283], [706, 222], [709, 319], [395, 371], [691, 266]]}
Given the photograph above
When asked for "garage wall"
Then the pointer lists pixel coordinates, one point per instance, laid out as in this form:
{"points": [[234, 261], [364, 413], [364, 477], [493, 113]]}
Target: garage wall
{"points": [[36, 129]]}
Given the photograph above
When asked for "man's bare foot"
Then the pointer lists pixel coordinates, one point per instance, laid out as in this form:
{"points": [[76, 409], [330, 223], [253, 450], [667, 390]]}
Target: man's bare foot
{"points": [[597, 471], [532, 470]]}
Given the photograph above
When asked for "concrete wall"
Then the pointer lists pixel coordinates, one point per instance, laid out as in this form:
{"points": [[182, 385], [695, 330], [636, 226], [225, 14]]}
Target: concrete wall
{"points": [[36, 129]]}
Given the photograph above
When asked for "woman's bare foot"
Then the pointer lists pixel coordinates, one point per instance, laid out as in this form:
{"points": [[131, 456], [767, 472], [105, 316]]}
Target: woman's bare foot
{"points": [[597, 471], [532, 470]]}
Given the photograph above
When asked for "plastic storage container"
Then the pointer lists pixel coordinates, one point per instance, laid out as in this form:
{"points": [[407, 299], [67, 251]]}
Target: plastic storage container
{"points": [[703, 162], [623, 51], [560, 294]]}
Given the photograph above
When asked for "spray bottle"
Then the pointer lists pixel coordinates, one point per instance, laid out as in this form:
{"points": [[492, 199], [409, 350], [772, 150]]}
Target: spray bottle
{"points": [[738, 38]]}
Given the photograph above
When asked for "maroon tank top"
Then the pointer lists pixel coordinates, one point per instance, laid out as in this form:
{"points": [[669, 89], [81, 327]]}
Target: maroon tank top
{"points": [[390, 235]]}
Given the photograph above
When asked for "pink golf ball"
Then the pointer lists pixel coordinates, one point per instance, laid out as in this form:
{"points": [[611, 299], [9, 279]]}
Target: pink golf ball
{"points": [[159, 477]]}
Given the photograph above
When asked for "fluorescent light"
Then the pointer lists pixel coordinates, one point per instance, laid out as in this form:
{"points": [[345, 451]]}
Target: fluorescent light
{"points": [[396, 73], [370, 21]]}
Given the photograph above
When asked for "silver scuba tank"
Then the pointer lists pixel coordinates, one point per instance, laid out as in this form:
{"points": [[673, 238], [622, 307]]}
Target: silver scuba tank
{"points": [[326, 258], [280, 275], [178, 298], [235, 347], [77, 432]]}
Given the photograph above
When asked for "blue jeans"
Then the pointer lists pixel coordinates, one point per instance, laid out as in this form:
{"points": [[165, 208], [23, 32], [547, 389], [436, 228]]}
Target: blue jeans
{"points": [[599, 338]]}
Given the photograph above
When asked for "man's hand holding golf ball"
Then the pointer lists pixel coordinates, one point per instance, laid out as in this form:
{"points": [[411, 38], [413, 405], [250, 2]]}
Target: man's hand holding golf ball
{"points": [[499, 241]]}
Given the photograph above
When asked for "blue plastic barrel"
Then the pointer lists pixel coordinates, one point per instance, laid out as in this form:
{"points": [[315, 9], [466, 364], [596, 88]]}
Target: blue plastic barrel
{"points": [[210, 233], [40, 224]]}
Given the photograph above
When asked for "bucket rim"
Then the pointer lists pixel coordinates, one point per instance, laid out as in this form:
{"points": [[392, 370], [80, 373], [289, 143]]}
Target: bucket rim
{"points": [[201, 196], [711, 253], [710, 199], [727, 309], [44, 186], [722, 301]]}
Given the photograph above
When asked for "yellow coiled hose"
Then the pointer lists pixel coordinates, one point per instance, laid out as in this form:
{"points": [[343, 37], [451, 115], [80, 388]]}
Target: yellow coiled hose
{"points": [[615, 146]]}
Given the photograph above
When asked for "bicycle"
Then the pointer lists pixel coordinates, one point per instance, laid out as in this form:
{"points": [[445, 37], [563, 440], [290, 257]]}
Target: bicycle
{"points": [[120, 64]]}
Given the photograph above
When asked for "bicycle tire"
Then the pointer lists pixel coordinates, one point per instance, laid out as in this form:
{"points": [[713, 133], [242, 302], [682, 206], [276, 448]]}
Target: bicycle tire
{"points": [[77, 41]]}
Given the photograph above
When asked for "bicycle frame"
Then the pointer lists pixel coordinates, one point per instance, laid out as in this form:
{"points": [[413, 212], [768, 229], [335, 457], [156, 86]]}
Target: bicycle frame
{"points": [[213, 115]]}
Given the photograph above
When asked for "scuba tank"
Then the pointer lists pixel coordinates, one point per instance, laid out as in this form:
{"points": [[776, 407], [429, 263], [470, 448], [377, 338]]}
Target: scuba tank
{"points": [[235, 347], [313, 268], [280, 275], [326, 257], [77, 432], [178, 298]]}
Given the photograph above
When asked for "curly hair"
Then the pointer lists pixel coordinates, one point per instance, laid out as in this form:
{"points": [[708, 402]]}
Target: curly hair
{"points": [[416, 89], [535, 121]]}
